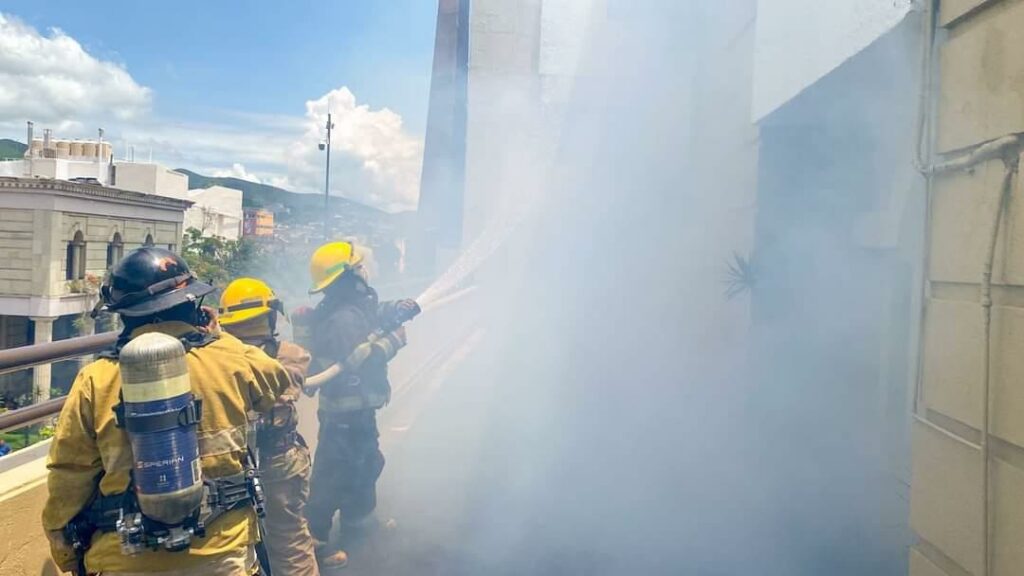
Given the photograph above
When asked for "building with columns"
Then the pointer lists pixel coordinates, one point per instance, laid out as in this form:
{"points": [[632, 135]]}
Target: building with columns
{"points": [[57, 239]]}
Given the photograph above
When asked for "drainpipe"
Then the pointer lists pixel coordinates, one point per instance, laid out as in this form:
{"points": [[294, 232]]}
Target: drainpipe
{"points": [[986, 307], [1008, 148], [922, 162]]}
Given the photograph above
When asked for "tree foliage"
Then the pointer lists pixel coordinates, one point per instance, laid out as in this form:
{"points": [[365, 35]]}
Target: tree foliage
{"points": [[218, 260]]}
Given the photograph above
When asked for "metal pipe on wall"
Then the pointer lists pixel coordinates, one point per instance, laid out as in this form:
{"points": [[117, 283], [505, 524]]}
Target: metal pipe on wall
{"points": [[1008, 148]]}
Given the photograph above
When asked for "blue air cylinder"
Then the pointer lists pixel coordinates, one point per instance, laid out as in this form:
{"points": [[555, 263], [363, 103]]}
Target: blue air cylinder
{"points": [[161, 417]]}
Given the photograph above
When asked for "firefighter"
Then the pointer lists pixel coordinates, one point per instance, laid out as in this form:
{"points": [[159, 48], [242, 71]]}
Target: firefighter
{"points": [[112, 464], [350, 329], [249, 311]]}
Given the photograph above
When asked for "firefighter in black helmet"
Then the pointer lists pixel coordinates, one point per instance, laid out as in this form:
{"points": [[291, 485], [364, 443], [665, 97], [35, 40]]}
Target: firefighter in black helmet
{"points": [[91, 479]]}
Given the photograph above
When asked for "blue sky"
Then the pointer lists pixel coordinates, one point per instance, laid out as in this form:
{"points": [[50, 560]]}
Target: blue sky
{"points": [[243, 70]]}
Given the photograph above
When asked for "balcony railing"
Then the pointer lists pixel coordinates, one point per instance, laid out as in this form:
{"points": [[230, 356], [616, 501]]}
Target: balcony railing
{"points": [[15, 359]]}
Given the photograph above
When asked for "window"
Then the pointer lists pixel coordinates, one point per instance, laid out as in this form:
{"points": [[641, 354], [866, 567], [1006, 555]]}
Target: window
{"points": [[115, 250], [149, 240], [76, 257]]}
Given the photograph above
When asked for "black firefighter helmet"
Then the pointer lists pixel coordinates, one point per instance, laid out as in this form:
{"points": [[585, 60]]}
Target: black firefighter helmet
{"points": [[150, 280]]}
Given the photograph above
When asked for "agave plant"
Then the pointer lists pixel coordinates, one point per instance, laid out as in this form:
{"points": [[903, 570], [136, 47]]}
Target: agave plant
{"points": [[739, 276]]}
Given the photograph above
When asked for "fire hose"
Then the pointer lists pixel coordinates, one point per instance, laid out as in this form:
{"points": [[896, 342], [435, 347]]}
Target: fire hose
{"points": [[314, 382], [362, 352]]}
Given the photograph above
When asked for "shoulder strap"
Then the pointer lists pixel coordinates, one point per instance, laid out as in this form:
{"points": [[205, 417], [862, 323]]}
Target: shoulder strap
{"points": [[191, 340]]}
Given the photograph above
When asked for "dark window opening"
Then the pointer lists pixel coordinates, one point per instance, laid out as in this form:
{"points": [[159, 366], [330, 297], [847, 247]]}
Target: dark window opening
{"points": [[76, 257], [115, 250]]}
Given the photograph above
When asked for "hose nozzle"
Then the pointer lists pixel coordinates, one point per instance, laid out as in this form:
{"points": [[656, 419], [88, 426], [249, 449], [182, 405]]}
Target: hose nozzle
{"points": [[399, 313], [407, 310]]}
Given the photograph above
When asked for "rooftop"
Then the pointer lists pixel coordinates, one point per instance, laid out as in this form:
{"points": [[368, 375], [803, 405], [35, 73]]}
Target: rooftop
{"points": [[93, 191]]}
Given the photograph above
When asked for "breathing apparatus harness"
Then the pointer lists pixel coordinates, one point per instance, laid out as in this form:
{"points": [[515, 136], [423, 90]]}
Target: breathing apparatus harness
{"points": [[122, 513]]}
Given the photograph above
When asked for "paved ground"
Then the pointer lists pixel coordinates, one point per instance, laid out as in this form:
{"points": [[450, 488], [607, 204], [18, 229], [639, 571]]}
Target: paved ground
{"points": [[509, 453]]}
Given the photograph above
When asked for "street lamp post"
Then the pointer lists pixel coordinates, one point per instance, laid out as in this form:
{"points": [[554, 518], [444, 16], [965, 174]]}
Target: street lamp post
{"points": [[326, 145]]}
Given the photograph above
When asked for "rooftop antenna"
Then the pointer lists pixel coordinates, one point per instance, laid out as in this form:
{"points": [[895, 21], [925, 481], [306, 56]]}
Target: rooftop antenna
{"points": [[99, 146]]}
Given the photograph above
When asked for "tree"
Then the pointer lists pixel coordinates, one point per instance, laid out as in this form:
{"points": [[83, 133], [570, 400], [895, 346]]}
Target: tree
{"points": [[217, 260]]}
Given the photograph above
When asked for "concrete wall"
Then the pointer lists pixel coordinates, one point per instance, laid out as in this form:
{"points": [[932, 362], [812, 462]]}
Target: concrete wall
{"points": [[151, 179], [439, 215], [503, 107], [801, 41], [59, 169], [99, 231], [980, 98], [723, 162], [39, 218], [33, 244], [23, 546], [217, 212], [16, 263], [840, 219]]}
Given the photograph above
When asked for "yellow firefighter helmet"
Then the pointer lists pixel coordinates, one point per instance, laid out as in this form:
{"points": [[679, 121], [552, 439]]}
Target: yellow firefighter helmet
{"points": [[330, 261], [245, 299]]}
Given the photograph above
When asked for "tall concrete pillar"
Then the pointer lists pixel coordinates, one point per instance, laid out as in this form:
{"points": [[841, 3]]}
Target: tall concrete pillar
{"points": [[41, 374]]}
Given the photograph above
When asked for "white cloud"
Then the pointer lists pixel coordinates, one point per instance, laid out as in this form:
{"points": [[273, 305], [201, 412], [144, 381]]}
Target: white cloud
{"points": [[378, 162], [237, 171], [52, 78]]}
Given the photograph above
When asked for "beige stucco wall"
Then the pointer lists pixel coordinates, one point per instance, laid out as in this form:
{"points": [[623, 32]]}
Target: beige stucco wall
{"points": [[98, 232], [981, 97], [16, 262], [39, 218]]}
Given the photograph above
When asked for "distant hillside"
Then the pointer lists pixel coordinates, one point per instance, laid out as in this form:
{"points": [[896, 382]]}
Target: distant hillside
{"points": [[11, 148], [289, 207]]}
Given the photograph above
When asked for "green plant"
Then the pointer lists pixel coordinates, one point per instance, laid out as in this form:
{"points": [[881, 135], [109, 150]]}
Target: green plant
{"points": [[90, 286], [21, 439], [740, 276], [219, 260]]}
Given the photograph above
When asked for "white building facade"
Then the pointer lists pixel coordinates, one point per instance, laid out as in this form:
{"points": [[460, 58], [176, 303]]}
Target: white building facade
{"points": [[217, 211]]}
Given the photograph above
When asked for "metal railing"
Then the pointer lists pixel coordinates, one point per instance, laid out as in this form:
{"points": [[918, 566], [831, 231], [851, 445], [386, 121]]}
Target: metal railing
{"points": [[15, 359], [21, 358]]}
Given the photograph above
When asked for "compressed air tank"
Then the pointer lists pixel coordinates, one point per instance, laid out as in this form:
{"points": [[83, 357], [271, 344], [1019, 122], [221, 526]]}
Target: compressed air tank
{"points": [[157, 402]]}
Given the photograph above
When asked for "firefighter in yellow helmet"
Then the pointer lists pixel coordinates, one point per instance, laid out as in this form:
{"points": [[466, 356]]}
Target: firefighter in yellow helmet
{"points": [[158, 424], [351, 330], [249, 311]]}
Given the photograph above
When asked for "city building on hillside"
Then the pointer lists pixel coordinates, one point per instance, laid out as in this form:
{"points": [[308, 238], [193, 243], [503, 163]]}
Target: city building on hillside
{"points": [[57, 239], [258, 222], [217, 211]]}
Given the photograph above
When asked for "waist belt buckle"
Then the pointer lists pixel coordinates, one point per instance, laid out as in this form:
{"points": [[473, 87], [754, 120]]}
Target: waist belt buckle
{"points": [[227, 494]]}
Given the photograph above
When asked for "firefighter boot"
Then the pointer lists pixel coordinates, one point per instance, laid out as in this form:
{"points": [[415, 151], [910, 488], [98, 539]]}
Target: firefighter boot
{"points": [[327, 558]]}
